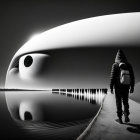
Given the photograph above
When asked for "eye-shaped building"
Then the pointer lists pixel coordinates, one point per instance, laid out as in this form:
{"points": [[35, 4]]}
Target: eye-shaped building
{"points": [[64, 57], [57, 58]]}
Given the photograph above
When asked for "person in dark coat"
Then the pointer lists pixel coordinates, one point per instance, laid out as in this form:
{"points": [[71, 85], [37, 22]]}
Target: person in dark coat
{"points": [[121, 90]]}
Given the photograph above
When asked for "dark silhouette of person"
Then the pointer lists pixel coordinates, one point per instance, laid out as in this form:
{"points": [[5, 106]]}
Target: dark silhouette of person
{"points": [[122, 90]]}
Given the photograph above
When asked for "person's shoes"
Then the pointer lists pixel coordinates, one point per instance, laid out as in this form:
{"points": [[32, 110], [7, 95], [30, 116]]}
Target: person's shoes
{"points": [[127, 119], [120, 121]]}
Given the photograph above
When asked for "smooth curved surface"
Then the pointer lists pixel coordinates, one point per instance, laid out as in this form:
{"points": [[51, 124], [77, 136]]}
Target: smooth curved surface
{"points": [[110, 30]]}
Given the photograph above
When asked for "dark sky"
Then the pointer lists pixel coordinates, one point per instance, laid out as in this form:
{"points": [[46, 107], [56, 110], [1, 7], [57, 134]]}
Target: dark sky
{"points": [[20, 19]]}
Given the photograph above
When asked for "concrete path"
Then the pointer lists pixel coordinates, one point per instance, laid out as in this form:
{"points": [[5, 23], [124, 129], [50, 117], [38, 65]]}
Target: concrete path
{"points": [[106, 128]]}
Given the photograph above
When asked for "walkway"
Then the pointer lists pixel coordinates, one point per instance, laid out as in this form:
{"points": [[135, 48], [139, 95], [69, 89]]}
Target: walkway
{"points": [[106, 128]]}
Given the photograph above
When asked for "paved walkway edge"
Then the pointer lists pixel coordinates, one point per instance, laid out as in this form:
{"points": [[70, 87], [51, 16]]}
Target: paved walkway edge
{"points": [[87, 130]]}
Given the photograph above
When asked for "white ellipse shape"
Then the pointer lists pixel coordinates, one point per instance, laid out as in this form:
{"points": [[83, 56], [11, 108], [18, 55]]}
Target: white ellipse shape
{"points": [[35, 69], [32, 108], [109, 30]]}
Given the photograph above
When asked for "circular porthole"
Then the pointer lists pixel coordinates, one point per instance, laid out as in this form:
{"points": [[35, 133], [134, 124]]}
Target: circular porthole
{"points": [[28, 61]]}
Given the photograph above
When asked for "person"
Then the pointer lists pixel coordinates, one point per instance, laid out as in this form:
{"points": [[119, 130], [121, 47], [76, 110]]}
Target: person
{"points": [[122, 89]]}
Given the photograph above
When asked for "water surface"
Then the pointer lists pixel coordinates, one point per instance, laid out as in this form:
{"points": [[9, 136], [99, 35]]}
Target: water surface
{"points": [[61, 114]]}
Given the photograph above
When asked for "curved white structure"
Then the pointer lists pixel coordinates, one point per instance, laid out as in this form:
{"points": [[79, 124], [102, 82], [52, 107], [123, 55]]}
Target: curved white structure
{"points": [[63, 57], [104, 31]]}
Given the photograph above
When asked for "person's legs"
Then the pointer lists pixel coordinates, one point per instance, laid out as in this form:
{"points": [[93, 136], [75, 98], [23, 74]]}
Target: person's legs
{"points": [[126, 104], [119, 105]]}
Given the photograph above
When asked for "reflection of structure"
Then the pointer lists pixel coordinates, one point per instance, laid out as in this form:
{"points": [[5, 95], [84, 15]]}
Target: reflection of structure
{"points": [[93, 96]]}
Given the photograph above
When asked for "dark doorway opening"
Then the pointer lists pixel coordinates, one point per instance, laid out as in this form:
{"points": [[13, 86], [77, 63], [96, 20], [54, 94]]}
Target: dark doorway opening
{"points": [[27, 116]]}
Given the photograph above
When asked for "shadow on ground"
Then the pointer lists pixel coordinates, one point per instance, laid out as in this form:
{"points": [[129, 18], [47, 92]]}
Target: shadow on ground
{"points": [[133, 128]]}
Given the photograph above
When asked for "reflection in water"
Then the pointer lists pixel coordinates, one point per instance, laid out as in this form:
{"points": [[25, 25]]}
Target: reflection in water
{"points": [[92, 96], [27, 116], [57, 114], [52, 131]]}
